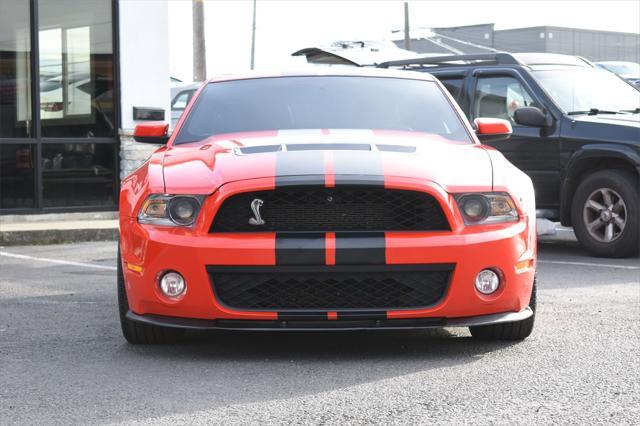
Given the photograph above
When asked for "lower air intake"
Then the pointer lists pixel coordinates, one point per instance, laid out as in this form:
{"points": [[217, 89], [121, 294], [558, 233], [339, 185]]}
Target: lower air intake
{"points": [[326, 289]]}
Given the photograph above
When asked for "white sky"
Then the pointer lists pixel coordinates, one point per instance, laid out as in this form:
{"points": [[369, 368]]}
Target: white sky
{"points": [[285, 26]]}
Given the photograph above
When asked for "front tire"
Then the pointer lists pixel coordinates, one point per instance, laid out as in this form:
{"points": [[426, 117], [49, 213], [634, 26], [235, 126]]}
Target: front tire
{"points": [[517, 330], [606, 213], [135, 332]]}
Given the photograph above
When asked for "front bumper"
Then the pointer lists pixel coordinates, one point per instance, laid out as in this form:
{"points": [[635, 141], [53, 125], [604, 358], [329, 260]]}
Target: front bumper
{"points": [[148, 251], [324, 325]]}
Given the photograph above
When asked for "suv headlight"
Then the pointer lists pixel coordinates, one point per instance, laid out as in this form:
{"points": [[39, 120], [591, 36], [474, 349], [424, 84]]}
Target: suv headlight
{"points": [[170, 210], [484, 208]]}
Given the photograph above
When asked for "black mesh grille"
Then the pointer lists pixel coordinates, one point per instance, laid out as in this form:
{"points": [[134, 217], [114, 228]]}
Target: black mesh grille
{"points": [[330, 290], [349, 208]]}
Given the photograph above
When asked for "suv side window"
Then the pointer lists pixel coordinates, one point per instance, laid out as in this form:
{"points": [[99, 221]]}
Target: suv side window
{"points": [[181, 100], [453, 85], [499, 97]]}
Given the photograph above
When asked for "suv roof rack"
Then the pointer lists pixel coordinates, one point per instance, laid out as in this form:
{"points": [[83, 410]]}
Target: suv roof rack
{"points": [[499, 58]]}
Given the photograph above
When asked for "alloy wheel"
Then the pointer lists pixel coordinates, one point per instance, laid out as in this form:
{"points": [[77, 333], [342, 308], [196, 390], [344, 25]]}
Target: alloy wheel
{"points": [[605, 215]]}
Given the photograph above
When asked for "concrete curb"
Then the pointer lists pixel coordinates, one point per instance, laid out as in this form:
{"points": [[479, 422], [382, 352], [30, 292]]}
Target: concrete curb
{"points": [[57, 236]]}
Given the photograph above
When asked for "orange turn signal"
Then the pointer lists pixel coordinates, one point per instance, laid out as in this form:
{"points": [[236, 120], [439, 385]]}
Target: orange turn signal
{"points": [[134, 268], [524, 265]]}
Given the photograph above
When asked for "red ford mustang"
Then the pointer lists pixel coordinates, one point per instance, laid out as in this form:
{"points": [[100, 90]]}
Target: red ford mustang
{"points": [[339, 199]]}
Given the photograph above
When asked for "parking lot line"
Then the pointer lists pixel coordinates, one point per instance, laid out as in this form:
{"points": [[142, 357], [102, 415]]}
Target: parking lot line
{"points": [[600, 265], [60, 262]]}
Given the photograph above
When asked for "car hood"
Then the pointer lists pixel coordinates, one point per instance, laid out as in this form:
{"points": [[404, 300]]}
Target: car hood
{"points": [[307, 156], [621, 128], [630, 120]]}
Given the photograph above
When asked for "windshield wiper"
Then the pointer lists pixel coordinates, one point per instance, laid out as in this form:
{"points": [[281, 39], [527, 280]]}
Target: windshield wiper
{"points": [[632, 111], [593, 111]]}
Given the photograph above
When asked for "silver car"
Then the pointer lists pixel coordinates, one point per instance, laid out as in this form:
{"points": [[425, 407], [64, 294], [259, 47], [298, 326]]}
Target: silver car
{"points": [[180, 96]]}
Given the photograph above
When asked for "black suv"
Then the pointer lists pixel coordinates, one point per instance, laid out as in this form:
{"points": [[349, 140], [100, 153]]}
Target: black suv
{"points": [[576, 133]]}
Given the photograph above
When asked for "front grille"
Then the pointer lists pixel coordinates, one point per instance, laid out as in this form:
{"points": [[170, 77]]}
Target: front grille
{"points": [[320, 209], [327, 289]]}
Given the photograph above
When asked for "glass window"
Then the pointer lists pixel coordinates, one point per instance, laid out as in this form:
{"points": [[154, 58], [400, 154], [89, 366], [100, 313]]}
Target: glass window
{"points": [[453, 85], [78, 174], [15, 69], [499, 97], [181, 100], [322, 102], [625, 69], [76, 68], [576, 90], [17, 176]]}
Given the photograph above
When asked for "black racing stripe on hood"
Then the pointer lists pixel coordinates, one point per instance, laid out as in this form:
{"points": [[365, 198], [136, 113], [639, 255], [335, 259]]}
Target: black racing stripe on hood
{"points": [[358, 167], [308, 165]]}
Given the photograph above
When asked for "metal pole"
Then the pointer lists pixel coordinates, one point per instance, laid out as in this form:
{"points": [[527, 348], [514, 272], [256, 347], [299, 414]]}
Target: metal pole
{"points": [[253, 36], [199, 50], [407, 37]]}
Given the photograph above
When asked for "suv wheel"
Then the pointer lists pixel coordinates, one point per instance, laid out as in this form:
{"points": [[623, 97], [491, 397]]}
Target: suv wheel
{"points": [[606, 215], [135, 332]]}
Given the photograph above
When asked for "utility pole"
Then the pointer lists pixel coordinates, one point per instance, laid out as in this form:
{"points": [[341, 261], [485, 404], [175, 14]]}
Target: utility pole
{"points": [[253, 36], [407, 36], [199, 50]]}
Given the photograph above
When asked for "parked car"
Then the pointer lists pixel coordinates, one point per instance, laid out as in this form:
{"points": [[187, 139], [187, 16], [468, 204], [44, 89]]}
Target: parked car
{"points": [[344, 199], [576, 133], [181, 94], [630, 71], [354, 53]]}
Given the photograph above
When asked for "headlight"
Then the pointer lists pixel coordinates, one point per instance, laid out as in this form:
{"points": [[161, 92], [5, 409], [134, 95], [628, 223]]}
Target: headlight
{"points": [[170, 210], [483, 208]]}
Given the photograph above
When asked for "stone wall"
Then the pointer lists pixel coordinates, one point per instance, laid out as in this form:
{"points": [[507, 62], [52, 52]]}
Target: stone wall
{"points": [[132, 153]]}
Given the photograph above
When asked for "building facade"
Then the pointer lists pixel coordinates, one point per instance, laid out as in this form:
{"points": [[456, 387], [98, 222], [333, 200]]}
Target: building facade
{"points": [[71, 73], [591, 44]]}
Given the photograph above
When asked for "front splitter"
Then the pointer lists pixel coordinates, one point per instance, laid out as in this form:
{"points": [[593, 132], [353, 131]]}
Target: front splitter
{"points": [[325, 325]]}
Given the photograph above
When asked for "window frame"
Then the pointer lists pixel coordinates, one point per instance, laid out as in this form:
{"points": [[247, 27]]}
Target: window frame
{"points": [[445, 77], [37, 140], [502, 72]]}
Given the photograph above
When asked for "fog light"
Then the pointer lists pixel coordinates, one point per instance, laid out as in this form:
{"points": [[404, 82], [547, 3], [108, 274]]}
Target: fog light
{"points": [[487, 281], [172, 284]]}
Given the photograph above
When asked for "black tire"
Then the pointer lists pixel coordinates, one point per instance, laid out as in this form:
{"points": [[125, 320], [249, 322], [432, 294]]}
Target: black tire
{"points": [[623, 183], [139, 333], [518, 330]]}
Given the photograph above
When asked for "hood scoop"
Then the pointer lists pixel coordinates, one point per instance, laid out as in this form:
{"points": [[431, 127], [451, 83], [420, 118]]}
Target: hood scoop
{"points": [[324, 147]]}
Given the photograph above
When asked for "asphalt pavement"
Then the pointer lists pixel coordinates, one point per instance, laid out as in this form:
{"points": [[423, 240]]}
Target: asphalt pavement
{"points": [[63, 359]]}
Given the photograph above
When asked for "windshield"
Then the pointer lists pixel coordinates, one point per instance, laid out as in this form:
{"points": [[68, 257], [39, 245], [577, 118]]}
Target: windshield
{"points": [[581, 89], [622, 68], [322, 102]]}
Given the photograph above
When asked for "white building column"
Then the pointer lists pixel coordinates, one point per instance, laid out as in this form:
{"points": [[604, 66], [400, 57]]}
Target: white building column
{"points": [[144, 71]]}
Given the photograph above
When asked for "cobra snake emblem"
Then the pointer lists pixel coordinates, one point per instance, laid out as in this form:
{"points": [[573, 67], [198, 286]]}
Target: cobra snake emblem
{"points": [[256, 220]]}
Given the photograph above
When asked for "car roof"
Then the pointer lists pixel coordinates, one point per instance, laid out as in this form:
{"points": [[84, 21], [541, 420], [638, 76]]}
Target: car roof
{"points": [[616, 62], [533, 58], [327, 70], [483, 59]]}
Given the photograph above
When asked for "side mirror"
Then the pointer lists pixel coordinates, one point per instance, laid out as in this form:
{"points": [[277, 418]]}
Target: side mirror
{"points": [[155, 132], [531, 116], [492, 129]]}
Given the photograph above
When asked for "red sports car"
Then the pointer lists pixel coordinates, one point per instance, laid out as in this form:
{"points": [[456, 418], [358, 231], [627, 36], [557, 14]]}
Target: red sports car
{"points": [[333, 199]]}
